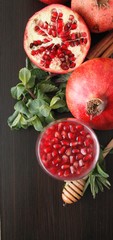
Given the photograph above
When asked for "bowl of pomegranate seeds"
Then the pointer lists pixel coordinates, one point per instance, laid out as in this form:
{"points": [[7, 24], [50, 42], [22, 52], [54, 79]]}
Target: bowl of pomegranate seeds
{"points": [[67, 149]]}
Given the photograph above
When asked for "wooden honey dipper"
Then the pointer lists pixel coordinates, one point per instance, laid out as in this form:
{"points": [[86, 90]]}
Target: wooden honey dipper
{"points": [[73, 190]]}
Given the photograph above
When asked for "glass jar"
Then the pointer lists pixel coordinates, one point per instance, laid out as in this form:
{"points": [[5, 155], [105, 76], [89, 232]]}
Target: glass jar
{"points": [[67, 149]]}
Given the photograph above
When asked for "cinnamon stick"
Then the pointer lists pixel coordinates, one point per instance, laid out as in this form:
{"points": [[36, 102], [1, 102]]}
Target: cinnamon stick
{"points": [[104, 48]]}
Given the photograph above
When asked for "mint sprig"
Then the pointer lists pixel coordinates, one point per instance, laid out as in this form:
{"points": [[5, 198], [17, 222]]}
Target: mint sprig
{"points": [[98, 178], [39, 96]]}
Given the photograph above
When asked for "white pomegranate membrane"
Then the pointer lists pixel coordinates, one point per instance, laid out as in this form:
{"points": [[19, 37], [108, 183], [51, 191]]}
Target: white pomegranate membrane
{"points": [[67, 149], [56, 39]]}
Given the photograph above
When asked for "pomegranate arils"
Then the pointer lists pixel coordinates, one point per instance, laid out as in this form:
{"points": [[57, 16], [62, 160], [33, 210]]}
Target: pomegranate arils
{"points": [[65, 166], [68, 147], [57, 31], [65, 158]]}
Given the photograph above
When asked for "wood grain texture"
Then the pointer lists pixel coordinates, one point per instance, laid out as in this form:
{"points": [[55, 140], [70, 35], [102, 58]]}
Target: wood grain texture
{"points": [[30, 201]]}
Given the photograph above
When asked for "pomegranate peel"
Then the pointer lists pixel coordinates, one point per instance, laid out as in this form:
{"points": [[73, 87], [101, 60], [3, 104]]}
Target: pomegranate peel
{"points": [[56, 39], [98, 14], [89, 93]]}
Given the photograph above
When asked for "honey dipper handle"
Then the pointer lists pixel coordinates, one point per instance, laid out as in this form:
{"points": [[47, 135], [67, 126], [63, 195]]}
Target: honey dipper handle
{"points": [[108, 148]]}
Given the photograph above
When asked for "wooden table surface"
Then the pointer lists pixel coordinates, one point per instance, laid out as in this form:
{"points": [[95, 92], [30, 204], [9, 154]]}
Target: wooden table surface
{"points": [[31, 207]]}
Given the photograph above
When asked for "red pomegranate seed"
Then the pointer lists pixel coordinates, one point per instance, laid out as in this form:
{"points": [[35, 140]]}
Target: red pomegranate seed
{"points": [[89, 150], [72, 159], [55, 140], [57, 146], [81, 163], [60, 173], [73, 26], [56, 161], [52, 170], [75, 150], [83, 34], [45, 25], [54, 13], [54, 153], [87, 157], [73, 144], [85, 40], [83, 151], [57, 135], [75, 164], [65, 158], [65, 143], [88, 142], [47, 150], [71, 65], [68, 151], [79, 156], [60, 126], [62, 150], [64, 66], [66, 173], [65, 166], [64, 134], [79, 127], [49, 156], [60, 14], [71, 135], [72, 169], [67, 26], [83, 133], [71, 17]]}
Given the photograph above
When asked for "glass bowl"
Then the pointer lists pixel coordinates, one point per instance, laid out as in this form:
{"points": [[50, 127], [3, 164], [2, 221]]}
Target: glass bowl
{"points": [[67, 149]]}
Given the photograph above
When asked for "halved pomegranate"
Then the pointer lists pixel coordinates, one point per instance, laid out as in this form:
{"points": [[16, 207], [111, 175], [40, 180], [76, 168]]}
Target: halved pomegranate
{"points": [[56, 39]]}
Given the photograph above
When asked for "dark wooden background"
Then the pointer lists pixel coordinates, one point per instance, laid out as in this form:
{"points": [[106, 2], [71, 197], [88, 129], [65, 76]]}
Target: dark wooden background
{"points": [[31, 207]]}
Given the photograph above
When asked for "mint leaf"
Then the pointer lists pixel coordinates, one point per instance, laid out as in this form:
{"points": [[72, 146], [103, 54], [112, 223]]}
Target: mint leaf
{"points": [[15, 123], [21, 107], [47, 87], [37, 124], [39, 73], [56, 102], [39, 106], [17, 91], [31, 82], [24, 75]]}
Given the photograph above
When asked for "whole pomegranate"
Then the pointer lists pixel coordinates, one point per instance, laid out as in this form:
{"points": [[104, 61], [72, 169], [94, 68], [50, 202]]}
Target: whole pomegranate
{"points": [[56, 39], [53, 1], [98, 14], [89, 93]]}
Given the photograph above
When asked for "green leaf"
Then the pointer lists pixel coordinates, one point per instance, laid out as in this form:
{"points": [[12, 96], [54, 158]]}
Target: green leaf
{"points": [[47, 87], [24, 75], [16, 121], [37, 124], [31, 82], [101, 172], [21, 107], [23, 122], [39, 106], [39, 73], [62, 78], [17, 91], [12, 118], [56, 102], [49, 118]]}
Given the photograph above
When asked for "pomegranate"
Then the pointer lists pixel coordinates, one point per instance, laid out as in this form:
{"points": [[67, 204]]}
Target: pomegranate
{"points": [[56, 39], [98, 14], [67, 149], [53, 1], [89, 93]]}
